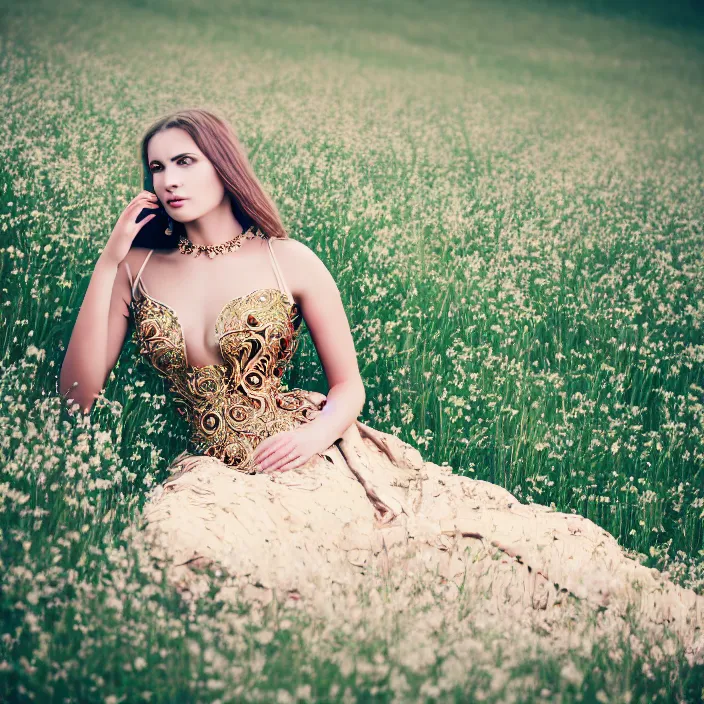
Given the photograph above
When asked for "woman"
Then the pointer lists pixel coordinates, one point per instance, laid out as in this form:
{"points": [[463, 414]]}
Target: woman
{"points": [[288, 487]]}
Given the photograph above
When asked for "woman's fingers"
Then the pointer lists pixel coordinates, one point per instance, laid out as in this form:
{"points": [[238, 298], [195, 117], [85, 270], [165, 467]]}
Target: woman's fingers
{"points": [[293, 464], [285, 465], [144, 194], [271, 449], [273, 462], [278, 460], [142, 198], [134, 208]]}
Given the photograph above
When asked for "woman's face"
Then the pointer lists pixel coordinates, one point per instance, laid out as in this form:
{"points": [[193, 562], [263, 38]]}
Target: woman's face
{"points": [[179, 168]]}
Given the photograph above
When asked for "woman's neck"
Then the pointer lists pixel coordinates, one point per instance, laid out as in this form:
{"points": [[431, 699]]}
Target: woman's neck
{"points": [[216, 227]]}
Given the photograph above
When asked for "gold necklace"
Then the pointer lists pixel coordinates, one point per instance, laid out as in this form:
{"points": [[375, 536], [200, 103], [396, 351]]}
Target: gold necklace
{"points": [[187, 247]]}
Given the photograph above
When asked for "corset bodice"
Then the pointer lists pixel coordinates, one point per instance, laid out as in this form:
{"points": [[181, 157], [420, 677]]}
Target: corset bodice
{"points": [[232, 406]]}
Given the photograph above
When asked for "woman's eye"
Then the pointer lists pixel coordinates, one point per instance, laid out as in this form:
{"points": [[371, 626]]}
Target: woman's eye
{"points": [[154, 168]]}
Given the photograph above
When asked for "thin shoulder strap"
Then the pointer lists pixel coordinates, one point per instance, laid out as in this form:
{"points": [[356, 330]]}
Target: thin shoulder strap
{"points": [[277, 271], [129, 272], [139, 273]]}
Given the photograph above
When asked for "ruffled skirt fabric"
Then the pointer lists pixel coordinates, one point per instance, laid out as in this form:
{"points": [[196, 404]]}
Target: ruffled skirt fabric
{"points": [[371, 503]]}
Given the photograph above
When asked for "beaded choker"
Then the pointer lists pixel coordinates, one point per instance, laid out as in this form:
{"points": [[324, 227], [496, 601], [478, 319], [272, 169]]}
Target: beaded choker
{"points": [[187, 247]]}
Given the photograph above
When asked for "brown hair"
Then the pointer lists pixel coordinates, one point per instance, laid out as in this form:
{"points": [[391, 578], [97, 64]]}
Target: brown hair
{"points": [[217, 139]]}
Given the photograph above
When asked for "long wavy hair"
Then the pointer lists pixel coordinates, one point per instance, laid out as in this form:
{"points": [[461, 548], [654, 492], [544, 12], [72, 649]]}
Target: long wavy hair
{"points": [[216, 138]]}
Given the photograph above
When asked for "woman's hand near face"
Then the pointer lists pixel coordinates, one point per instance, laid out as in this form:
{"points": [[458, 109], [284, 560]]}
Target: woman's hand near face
{"points": [[102, 323], [127, 227]]}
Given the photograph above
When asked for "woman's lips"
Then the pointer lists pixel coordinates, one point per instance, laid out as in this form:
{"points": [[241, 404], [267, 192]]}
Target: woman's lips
{"points": [[177, 203]]}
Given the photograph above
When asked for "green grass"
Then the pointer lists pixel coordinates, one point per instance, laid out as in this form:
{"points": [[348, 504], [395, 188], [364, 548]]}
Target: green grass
{"points": [[509, 197]]}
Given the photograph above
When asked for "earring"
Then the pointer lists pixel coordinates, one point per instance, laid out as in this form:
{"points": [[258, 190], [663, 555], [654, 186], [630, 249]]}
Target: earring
{"points": [[170, 227]]}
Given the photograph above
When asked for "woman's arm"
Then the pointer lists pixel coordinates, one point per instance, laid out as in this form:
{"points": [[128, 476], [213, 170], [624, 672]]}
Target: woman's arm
{"points": [[317, 295], [98, 334], [319, 299], [100, 329]]}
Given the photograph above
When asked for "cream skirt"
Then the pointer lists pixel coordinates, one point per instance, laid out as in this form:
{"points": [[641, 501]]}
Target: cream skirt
{"points": [[370, 505]]}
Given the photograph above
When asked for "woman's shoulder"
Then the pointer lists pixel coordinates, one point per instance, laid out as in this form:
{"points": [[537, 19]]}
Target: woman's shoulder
{"points": [[136, 256], [133, 262], [302, 267], [299, 254]]}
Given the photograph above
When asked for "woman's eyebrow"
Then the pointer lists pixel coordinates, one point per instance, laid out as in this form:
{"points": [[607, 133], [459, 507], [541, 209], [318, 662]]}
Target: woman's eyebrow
{"points": [[173, 158]]}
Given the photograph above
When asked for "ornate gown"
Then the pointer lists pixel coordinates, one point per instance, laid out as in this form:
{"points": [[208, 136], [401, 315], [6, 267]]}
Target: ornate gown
{"points": [[369, 501]]}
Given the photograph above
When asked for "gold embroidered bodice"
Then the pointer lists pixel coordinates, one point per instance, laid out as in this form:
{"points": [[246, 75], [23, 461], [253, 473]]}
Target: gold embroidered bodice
{"points": [[231, 407]]}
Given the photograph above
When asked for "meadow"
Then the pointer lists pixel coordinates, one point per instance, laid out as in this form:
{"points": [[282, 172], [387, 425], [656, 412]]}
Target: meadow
{"points": [[509, 196]]}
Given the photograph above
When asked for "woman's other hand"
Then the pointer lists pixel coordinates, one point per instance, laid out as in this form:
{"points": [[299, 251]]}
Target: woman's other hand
{"points": [[289, 449]]}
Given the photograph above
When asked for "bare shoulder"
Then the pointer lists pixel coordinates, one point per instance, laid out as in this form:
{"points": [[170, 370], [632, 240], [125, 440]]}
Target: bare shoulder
{"points": [[136, 256], [290, 246], [302, 268], [128, 268], [296, 256]]}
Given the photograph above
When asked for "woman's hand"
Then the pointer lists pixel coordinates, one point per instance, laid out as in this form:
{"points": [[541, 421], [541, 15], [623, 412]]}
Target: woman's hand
{"points": [[127, 227], [289, 449]]}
